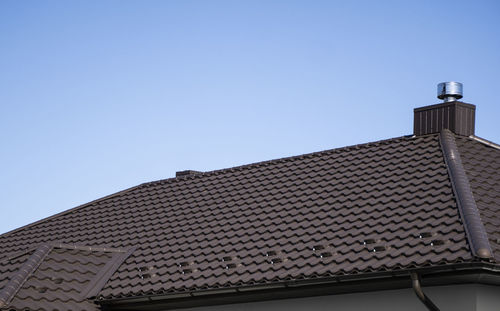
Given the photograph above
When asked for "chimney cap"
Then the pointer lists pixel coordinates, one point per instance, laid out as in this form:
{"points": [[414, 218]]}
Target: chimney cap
{"points": [[449, 91]]}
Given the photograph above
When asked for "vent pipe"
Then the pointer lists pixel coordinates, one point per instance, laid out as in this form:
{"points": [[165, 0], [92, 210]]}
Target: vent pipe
{"points": [[450, 91]]}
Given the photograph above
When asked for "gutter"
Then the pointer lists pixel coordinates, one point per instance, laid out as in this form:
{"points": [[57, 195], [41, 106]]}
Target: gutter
{"points": [[462, 273]]}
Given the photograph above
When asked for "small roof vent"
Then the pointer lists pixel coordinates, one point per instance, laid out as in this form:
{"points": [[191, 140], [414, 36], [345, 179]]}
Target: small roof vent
{"points": [[186, 173], [450, 91]]}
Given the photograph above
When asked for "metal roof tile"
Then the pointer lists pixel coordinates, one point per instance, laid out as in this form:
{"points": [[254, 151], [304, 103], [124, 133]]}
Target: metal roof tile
{"points": [[296, 218]]}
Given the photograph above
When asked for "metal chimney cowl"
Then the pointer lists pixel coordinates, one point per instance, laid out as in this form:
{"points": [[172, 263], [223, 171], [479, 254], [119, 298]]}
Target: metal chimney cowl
{"points": [[453, 115], [449, 91]]}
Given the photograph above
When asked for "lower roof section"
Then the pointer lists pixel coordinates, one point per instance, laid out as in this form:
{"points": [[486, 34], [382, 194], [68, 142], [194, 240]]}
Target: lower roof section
{"points": [[478, 274], [58, 277]]}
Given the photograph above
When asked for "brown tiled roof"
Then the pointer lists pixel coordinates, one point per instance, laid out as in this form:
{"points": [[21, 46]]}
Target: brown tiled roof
{"points": [[57, 277], [376, 207], [482, 164]]}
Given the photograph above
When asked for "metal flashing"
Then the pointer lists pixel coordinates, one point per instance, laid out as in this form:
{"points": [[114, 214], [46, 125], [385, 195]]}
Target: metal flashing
{"points": [[89, 248], [485, 142], [474, 228], [95, 286]]}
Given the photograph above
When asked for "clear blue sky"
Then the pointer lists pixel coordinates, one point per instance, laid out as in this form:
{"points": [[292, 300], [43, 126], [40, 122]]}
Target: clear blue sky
{"points": [[99, 96]]}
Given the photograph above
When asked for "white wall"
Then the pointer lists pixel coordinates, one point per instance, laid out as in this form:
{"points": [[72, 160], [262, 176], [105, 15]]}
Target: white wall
{"points": [[447, 298], [488, 298]]}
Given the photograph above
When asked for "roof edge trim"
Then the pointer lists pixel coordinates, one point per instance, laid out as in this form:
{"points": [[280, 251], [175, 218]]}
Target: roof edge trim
{"points": [[17, 281], [474, 228], [485, 142]]}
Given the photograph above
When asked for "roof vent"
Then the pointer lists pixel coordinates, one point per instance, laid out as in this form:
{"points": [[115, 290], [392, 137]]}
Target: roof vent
{"points": [[186, 173], [453, 115], [450, 91]]}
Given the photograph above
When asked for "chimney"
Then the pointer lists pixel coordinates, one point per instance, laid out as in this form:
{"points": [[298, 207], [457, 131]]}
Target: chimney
{"points": [[186, 173], [452, 114]]}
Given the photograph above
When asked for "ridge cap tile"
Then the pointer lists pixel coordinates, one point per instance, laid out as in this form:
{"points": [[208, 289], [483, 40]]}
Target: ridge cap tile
{"points": [[474, 227]]}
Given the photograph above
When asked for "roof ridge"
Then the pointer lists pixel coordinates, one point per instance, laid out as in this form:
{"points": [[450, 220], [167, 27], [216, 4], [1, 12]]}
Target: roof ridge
{"points": [[109, 196], [201, 174], [17, 281], [197, 176], [243, 166], [474, 227]]}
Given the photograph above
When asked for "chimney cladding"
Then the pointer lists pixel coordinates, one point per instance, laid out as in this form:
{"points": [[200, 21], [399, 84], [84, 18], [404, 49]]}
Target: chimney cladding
{"points": [[453, 115]]}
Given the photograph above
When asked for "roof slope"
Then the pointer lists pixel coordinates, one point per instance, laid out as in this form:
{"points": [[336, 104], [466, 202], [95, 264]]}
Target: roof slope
{"points": [[482, 164], [57, 277], [381, 206]]}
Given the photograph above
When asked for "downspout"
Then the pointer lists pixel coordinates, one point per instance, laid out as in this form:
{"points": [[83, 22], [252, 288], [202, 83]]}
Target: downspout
{"points": [[420, 293]]}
